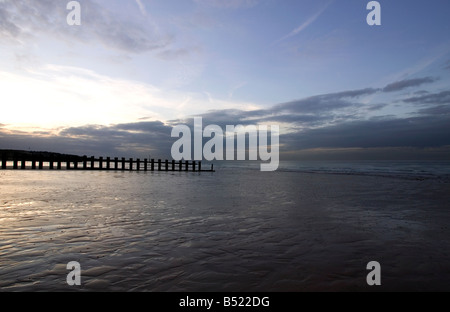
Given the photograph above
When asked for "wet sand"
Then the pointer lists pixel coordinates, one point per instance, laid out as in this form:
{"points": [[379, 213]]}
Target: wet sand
{"points": [[228, 231]]}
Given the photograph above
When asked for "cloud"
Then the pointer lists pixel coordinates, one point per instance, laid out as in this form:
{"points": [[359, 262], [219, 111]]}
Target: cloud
{"points": [[308, 112], [333, 121], [306, 24], [338, 121], [421, 92], [22, 20], [175, 53], [425, 131], [75, 95], [376, 107], [434, 98], [371, 153], [324, 103], [8, 30], [222, 118], [93, 98], [435, 110], [408, 83], [236, 87], [447, 65], [143, 138], [141, 7], [121, 140], [303, 120]]}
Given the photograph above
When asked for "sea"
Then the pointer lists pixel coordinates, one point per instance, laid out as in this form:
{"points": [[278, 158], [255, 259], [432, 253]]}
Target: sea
{"points": [[309, 226]]}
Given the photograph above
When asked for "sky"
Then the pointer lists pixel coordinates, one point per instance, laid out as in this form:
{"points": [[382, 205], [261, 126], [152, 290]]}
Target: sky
{"points": [[118, 83]]}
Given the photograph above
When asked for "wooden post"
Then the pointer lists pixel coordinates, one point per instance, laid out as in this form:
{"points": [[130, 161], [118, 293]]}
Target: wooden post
{"points": [[199, 166], [159, 164], [181, 165], [41, 164], [173, 165], [84, 162], [92, 162], [131, 164], [59, 164], [67, 165], [152, 167], [193, 165], [108, 163], [23, 164], [187, 165], [4, 159], [212, 167], [100, 163], [75, 165], [138, 161], [15, 162], [123, 163], [116, 163], [33, 163], [167, 165], [145, 164], [51, 164]]}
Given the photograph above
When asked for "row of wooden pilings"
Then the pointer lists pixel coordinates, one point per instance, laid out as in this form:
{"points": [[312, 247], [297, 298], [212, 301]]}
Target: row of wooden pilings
{"points": [[92, 163]]}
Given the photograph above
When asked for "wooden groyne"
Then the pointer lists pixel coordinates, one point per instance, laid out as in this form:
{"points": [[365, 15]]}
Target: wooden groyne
{"points": [[36, 162]]}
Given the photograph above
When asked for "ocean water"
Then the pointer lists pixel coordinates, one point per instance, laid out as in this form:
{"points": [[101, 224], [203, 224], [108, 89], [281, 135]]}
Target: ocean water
{"points": [[307, 227]]}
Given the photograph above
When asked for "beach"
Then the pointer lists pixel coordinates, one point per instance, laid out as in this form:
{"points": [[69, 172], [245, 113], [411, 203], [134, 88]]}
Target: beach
{"points": [[237, 229]]}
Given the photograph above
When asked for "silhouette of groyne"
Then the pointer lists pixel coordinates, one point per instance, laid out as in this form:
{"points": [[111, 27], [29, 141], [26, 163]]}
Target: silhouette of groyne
{"points": [[15, 160]]}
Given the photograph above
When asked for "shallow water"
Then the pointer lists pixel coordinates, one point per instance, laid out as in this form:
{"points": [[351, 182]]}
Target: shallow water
{"points": [[233, 230]]}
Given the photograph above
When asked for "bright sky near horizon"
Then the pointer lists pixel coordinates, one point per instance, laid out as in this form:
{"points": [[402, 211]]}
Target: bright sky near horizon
{"points": [[293, 62]]}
